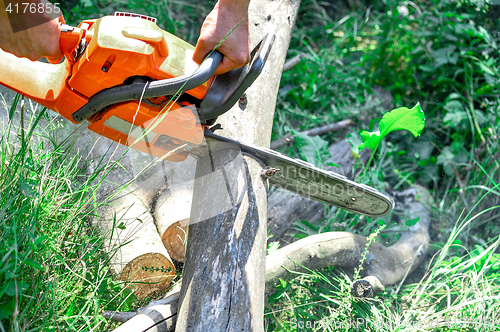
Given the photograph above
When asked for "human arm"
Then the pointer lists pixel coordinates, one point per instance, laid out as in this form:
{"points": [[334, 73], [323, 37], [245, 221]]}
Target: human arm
{"points": [[33, 43], [226, 15]]}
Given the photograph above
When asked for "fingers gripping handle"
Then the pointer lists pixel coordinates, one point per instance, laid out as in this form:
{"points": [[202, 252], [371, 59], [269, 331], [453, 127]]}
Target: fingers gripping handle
{"points": [[229, 87]]}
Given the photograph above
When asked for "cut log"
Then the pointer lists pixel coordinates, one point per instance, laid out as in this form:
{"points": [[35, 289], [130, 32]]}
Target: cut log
{"points": [[138, 256], [383, 267], [172, 216], [172, 205], [223, 280], [158, 316], [124, 197]]}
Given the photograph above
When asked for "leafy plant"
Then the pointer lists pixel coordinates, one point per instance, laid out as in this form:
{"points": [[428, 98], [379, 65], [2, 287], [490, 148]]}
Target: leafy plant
{"points": [[53, 274], [402, 118], [314, 150]]}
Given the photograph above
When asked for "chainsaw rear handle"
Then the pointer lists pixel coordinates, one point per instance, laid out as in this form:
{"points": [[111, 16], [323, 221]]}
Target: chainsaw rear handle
{"points": [[142, 90]]}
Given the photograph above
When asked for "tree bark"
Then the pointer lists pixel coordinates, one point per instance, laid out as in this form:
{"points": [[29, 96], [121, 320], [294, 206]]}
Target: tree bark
{"points": [[223, 279]]}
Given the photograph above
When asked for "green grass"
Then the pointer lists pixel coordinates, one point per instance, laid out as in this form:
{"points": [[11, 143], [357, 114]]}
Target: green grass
{"points": [[457, 293], [53, 272], [442, 54]]}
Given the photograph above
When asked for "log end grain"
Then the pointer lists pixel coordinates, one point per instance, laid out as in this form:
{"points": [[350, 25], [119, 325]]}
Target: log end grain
{"points": [[148, 274], [174, 238]]}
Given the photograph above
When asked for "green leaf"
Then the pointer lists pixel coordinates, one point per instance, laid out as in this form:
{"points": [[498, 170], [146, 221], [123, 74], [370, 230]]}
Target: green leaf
{"points": [[314, 150], [412, 222], [7, 309], [39, 240], [32, 263], [445, 55], [355, 141], [401, 118], [454, 118], [12, 290]]}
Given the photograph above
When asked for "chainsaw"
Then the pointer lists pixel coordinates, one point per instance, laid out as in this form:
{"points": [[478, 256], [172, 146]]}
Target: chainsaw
{"points": [[137, 85]]}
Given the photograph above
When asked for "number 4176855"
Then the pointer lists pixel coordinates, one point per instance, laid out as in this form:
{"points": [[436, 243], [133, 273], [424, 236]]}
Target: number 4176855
{"points": [[27, 7]]}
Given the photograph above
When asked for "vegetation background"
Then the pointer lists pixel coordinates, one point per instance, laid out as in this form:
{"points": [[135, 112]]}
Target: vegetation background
{"points": [[360, 60]]}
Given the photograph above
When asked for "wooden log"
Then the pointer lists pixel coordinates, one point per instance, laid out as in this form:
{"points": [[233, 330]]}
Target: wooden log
{"points": [[126, 191], [158, 316], [223, 280], [173, 207], [384, 266], [389, 265], [137, 254]]}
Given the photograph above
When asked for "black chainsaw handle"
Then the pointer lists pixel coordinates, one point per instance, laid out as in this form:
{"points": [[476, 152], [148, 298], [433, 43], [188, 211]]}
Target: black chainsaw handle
{"points": [[141, 89]]}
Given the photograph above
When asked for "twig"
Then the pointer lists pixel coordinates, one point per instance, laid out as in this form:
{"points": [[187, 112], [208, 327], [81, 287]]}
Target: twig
{"points": [[289, 138], [292, 62]]}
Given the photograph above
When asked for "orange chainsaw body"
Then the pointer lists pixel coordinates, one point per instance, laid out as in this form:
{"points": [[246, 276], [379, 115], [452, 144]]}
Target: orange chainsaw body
{"points": [[117, 48]]}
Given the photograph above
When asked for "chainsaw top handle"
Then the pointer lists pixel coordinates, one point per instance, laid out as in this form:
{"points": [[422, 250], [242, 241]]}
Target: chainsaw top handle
{"points": [[140, 89]]}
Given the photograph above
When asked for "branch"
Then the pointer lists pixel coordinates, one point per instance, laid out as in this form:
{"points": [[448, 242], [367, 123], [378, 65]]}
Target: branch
{"points": [[289, 138], [390, 265], [292, 62]]}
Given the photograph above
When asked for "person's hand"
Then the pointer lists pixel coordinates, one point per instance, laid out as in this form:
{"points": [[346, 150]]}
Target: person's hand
{"points": [[33, 43], [226, 15]]}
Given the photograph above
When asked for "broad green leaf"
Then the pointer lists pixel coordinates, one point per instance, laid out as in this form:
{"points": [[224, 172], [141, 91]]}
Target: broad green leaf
{"points": [[355, 141], [7, 309], [314, 150], [454, 118], [14, 288], [412, 222], [401, 118], [33, 263]]}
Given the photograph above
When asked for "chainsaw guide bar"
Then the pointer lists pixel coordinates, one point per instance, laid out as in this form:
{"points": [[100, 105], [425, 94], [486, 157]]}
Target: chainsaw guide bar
{"points": [[307, 180]]}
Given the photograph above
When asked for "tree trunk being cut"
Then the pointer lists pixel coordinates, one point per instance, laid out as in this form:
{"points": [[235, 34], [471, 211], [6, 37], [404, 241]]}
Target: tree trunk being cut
{"points": [[223, 280], [384, 266]]}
